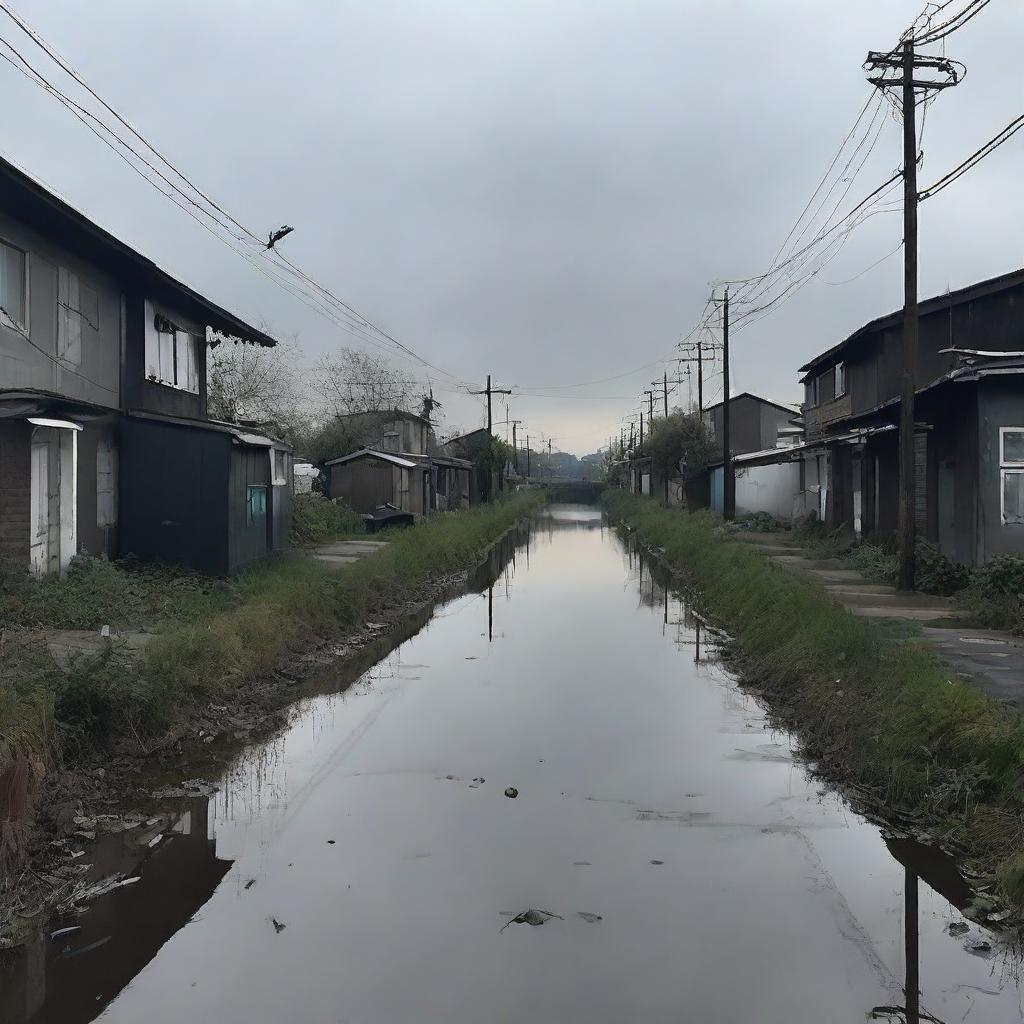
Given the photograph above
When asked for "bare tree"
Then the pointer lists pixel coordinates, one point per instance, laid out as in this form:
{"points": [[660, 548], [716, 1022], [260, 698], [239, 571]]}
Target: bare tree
{"points": [[355, 381], [255, 384]]}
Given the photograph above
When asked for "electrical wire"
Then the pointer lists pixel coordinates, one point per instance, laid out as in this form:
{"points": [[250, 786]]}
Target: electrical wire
{"points": [[975, 158]]}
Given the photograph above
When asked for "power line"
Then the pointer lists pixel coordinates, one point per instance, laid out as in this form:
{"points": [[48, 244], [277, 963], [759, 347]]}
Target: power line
{"points": [[326, 298], [975, 158]]}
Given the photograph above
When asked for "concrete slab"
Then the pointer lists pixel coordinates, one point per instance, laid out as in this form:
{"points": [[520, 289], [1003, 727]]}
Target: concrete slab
{"points": [[862, 589], [835, 575], [809, 561], [992, 660], [340, 553], [899, 612], [852, 598]]}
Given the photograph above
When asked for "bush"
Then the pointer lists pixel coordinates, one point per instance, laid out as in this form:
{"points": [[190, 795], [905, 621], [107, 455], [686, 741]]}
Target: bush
{"points": [[934, 573], [316, 518], [875, 562], [1003, 576]]}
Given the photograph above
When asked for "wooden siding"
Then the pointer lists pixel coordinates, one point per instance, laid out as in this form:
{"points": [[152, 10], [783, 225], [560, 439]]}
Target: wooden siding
{"points": [[248, 541]]}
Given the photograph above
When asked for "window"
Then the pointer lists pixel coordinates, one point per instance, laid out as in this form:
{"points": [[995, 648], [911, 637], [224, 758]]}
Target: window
{"points": [[390, 441], [811, 392], [441, 487], [278, 467], [106, 483], [1011, 474], [13, 286], [171, 353], [256, 505], [78, 312], [840, 379]]}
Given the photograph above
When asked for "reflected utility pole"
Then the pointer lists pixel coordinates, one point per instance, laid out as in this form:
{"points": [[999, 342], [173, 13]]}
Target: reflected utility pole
{"points": [[913, 981], [490, 614]]}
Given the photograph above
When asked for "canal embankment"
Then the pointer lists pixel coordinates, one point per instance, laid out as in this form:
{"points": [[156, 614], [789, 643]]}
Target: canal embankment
{"points": [[874, 706], [220, 667]]}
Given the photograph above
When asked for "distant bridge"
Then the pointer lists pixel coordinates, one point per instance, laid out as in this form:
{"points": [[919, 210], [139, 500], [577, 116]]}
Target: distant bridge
{"points": [[583, 492]]}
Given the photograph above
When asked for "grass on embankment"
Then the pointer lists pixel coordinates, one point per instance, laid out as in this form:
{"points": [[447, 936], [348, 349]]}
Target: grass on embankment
{"points": [[217, 637], [882, 715]]}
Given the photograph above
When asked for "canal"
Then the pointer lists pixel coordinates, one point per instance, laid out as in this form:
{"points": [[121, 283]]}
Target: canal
{"points": [[662, 855]]}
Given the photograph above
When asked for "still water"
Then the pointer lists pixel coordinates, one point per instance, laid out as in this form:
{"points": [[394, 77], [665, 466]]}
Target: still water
{"points": [[366, 866]]}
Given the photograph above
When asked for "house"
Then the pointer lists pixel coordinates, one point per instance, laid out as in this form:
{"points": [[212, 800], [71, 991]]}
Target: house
{"points": [[485, 480], [105, 442], [969, 423], [397, 467], [756, 424]]}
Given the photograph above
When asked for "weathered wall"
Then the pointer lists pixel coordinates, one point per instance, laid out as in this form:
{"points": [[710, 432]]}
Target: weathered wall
{"points": [[31, 360], [771, 489], [15, 484], [247, 541]]}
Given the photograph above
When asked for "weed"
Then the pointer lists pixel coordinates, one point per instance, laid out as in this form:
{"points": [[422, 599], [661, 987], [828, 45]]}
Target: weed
{"points": [[316, 519]]}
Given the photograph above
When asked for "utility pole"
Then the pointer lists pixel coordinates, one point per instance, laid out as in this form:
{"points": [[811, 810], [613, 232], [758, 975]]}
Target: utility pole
{"points": [[515, 450], [728, 482], [650, 408], [488, 391], [527, 456], [905, 60], [702, 352], [664, 384], [641, 429]]}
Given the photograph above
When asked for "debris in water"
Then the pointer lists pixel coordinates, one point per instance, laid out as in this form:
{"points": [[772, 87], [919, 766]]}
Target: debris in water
{"points": [[958, 928], [980, 947], [532, 917], [65, 931], [278, 927], [156, 839], [511, 792], [581, 863], [331, 842], [657, 862], [588, 917], [250, 883]]}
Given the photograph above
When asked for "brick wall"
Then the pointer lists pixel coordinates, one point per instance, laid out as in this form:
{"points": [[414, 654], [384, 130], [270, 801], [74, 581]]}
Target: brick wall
{"points": [[15, 482]]}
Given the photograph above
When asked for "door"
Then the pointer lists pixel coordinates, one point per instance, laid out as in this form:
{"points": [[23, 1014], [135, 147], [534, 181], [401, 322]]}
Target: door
{"points": [[856, 471], [40, 505]]}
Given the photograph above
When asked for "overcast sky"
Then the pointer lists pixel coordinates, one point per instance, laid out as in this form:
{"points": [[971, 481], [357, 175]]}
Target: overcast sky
{"points": [[539, 189]]}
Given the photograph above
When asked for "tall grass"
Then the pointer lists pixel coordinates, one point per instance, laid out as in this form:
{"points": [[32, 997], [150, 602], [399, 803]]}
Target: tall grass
{"points": [[886, 716]]}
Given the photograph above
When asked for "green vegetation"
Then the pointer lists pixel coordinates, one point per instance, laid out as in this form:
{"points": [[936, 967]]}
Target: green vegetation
{"points": [[316, 519], [678, 437], [213, 642], [882, 716]]}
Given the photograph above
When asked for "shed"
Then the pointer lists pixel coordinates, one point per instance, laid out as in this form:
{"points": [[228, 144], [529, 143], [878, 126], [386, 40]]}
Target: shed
{"points": [[201, 493]]}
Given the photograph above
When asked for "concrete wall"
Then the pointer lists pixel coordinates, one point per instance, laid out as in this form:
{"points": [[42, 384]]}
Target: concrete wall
{"points": [[31, 359], [771, 489]]}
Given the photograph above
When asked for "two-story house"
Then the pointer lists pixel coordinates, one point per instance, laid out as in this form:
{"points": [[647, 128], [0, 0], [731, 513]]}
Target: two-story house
{"points": [[395, 462], [105, 442], [969, 423]]}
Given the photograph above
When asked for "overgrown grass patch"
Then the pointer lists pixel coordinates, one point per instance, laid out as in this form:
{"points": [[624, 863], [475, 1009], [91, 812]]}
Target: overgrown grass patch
{"points": [[884, 715], [316, 518]]}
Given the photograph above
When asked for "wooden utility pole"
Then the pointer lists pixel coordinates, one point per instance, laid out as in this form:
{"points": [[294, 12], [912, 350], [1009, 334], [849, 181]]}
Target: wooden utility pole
{"points": [[729, 481], [912, 985], [515, 450], [905, 60], [641, 428], [527, 456], [664, 384], [550, 474], [488, 391], [650, 408], [702, 352]]}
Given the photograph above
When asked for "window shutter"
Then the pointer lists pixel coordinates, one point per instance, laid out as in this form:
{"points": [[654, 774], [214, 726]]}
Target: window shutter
{"points": [[106, 483]]}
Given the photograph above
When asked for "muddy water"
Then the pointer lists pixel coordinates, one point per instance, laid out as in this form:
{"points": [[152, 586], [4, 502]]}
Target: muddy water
{"points": [[367, 867]]}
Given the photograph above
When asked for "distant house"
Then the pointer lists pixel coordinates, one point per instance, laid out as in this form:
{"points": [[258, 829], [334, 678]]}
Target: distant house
{"points": [[969, 423], [756, 424], [105, 442], [485, 480], [394, 466]]}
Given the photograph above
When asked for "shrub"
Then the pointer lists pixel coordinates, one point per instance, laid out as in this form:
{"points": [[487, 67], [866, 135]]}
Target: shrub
{"points": [[316, 518], [875, 562], [1003, 576], [934, 573]]}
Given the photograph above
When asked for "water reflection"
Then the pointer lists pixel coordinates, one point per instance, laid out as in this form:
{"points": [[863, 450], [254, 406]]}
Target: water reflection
{"points": [[71, 971], [699, 873]]}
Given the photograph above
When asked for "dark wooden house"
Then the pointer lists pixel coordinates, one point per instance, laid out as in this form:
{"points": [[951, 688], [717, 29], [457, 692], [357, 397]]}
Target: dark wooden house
{"points": [[969, 423], [105, 442]]}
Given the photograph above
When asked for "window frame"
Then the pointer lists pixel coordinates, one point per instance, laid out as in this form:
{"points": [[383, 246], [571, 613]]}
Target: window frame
{"points": [[161, 333], [840, 371], [812, 386], [277, 480], [1007, 467], [250, 515], [5, 317]]}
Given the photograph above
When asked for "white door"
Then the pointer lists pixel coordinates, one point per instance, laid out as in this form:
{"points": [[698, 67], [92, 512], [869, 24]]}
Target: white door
{"points": [[39, 507]]}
